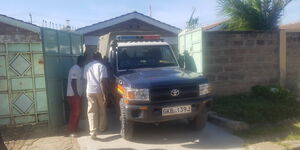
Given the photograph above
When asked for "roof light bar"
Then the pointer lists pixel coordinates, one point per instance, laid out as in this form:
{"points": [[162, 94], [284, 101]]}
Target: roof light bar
{"points": [[137, 37]]}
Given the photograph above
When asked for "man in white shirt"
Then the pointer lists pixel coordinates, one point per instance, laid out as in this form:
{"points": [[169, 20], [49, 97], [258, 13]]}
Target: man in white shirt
{"points": [[95, 74], [74, 92]]}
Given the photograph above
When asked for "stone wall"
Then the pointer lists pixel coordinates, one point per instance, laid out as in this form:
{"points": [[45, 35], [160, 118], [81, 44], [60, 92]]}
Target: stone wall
{"points": [[12, 34], [236, 61], [293, 61]]}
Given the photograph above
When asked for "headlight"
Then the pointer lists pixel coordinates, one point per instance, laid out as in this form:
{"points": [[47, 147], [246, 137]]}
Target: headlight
{"points": [[138, 94], [134, 94], [204, 89]]}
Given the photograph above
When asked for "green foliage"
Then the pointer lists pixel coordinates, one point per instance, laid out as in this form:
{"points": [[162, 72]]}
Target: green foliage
{"points": [[262, 105], [273, 93], [252, 14]]}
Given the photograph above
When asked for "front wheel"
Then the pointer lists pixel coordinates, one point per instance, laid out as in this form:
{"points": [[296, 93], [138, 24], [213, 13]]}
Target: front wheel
{"points": [[199, 121], [126, 126]]}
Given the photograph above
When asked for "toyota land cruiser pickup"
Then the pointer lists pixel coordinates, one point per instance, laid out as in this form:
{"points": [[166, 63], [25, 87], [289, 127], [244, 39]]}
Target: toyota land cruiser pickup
{"points": [[147, 85]]}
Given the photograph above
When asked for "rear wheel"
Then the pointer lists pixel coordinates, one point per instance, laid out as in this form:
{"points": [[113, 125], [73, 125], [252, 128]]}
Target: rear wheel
{"points": [[199, 121], [126, 126]]}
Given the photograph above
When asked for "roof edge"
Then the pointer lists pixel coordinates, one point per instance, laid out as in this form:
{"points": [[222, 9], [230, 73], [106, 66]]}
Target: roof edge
{"points": [[19, 23], [126, 17]]}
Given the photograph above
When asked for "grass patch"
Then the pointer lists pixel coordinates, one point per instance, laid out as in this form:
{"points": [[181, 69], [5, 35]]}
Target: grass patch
{"points": [[272, 132], [293, 136], [262, 105]]}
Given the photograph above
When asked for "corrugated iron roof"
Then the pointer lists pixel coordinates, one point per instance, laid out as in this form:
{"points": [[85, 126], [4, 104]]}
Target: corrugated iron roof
{"points": [[212, 26], [19, 23], [293, 26], [113, 21]]}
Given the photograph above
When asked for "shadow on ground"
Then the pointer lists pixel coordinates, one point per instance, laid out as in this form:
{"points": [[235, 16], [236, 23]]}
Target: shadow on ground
{"points": [[36, 137], [178, 133], [211, 137]]}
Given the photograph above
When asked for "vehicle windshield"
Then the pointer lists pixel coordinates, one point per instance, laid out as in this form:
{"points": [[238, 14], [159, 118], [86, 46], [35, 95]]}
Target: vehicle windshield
{"points": [[133, 57]]}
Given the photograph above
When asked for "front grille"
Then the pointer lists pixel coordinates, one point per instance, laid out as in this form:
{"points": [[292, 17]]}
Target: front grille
{"points": [[164, 93]]}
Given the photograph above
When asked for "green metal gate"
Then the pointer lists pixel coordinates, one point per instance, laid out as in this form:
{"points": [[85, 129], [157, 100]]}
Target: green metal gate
{"points": [[22, 84], [33, 78], [191, 41], [61, 50]]}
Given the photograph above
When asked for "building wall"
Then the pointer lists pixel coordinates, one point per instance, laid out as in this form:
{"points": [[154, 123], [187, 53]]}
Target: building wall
{"points": [[236, 61], [293, 61]]}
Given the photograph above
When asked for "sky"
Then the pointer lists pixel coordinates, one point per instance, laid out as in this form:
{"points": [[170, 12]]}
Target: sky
{"points": [[86, 12]]}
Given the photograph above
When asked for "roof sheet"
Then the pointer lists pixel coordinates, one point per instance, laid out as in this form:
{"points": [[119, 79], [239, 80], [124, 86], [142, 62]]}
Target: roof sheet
{"points": [[126, 17], [20, 23], [293, 26]]}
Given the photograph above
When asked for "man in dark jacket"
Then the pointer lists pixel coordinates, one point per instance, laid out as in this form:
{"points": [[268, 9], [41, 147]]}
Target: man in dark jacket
{"points": [[189, 61]]}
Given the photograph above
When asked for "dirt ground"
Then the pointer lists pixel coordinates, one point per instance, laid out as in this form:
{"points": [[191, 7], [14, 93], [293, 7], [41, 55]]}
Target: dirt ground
{"points": [[37, 137]]}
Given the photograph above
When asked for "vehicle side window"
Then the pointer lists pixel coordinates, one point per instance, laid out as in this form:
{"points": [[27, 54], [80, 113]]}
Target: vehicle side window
{"points": [[166, 54], [145, 57]]}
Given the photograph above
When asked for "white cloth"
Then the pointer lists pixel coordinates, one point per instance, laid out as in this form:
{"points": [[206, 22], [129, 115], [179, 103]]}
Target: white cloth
{"points": [[75, 73], [94, 72]]}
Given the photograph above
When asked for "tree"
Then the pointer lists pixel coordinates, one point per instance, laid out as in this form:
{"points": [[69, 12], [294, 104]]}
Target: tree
{"points": [[252, 14]]}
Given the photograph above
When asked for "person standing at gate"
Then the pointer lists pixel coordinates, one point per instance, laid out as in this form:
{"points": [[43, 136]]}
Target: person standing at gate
{"points": [[95, 74], [74, 92]]}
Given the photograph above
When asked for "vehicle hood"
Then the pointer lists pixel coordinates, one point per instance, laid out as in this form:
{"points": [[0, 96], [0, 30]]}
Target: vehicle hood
{"points": [[160, 77]]}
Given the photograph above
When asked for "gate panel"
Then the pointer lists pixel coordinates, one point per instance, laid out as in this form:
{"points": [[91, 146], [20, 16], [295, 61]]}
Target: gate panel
{"points": [[4, 102], [191, 41], [60, 50], [21, 78]]}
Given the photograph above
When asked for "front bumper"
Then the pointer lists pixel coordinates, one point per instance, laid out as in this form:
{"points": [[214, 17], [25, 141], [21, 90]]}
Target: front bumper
{"points": [[152, 113]]}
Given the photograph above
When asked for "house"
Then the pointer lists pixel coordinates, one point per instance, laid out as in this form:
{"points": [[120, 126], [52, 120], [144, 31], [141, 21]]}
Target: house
{"points": [[291, 26], [214, 27], [133, 21]]}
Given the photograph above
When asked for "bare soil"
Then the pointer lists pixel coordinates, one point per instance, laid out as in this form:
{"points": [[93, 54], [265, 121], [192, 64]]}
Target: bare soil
{"points": [[37, 137]]}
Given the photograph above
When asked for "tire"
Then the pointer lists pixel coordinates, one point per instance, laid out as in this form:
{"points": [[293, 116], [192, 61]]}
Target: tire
{"points": [[126, 126], [199, 121]]}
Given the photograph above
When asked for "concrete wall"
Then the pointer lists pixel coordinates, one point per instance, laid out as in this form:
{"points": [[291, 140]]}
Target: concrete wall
{"points": [[236, 61], [293, 61]]}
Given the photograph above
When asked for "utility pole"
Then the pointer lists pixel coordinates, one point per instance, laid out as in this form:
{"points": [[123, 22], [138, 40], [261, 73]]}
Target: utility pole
{"points": [[30, 16], [150, 10]]}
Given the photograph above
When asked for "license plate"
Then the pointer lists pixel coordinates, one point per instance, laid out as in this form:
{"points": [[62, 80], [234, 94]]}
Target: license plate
{"points": [[167, 111]]}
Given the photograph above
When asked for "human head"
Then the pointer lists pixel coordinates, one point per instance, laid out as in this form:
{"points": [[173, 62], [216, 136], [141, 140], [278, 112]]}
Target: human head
{"points": [[80, 61], [97, 56]]}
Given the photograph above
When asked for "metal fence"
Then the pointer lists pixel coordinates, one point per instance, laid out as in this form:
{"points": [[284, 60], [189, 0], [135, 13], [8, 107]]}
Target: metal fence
{"points": [[60, 52], [33, 78], [22, 84], [191, 41]]}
